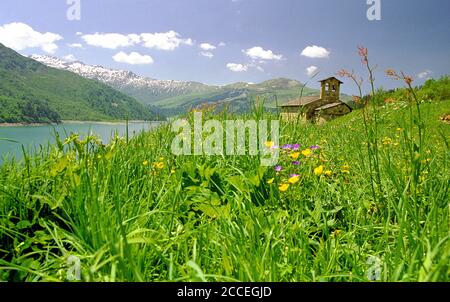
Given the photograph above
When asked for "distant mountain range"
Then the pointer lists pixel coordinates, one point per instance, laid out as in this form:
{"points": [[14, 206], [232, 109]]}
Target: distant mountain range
{"points": [[176, 97], [147, 90], [33, 92]]}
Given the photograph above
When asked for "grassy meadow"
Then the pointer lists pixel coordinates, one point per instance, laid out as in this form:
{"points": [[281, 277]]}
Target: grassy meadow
{"points": [[361, 198], [131, 211]]}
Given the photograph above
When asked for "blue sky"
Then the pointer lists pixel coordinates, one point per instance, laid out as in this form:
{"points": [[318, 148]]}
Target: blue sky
{"points": [[262, 39]]}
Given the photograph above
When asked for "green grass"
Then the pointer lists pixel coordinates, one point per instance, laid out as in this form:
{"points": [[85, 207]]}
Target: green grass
{"points": [[135, 212]]}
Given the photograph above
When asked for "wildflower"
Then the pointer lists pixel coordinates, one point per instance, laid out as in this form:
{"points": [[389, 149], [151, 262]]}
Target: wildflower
{"points": [[287, 147], [278, 168], [393, 74], [344, 73], [269, 144], [399, 129], [408, 80], [345, 169], [295, 155], [296, 163], [363, 53], [328, 173], [336, 233], [145, 163], [172, 171], [283, 187], [294, 178], [158, 165], [387, 141], [270, 181], [314, 147], [306, 152], [318, 171], [295, 147]]}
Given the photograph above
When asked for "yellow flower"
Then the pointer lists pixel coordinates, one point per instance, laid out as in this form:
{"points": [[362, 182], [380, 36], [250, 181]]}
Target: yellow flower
{"points": [[283, 187], [318, 171], [269, 144], [159, 165], [387, 141], [295, 155], [145, 163], [328, 173], [172, 171], [306, 152], [270, 181], [294, 179], [399, 129], [336, 233], [345, 169]]}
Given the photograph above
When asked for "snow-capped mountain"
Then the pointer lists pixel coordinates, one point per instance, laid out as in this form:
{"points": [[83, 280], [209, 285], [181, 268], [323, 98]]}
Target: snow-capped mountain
{"points": [[144, 89]]}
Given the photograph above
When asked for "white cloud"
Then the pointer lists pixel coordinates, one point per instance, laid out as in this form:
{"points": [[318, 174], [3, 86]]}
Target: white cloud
{"points": [[222, 44], [79, 33], [70, 58], [165, 41], [133, 58], [75, 45], [424, 74], [207, 54], [311, 70], [20, 36], [111, 40], [207, 46], [258, 53], [259, 68], [315, 52], [237, 67]]}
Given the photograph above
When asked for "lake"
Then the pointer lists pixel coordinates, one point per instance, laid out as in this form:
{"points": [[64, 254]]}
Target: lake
{"points": [[31, 137]]}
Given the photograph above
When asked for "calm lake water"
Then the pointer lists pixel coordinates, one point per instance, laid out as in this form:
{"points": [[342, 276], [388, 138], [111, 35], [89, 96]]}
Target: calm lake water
{"points": [[32, 137]]}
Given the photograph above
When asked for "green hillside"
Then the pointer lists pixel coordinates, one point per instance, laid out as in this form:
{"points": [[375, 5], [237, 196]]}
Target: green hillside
{"points": [[238, 96], [32, 92], [326, 217]]}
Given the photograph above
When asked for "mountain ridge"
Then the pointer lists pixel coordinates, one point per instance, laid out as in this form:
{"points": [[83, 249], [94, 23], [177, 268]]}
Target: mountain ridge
{"points": [[126, 81], [172, 97]]}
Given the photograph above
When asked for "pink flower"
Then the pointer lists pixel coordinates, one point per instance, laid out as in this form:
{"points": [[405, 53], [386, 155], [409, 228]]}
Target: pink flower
{"points": [[364, 54]]}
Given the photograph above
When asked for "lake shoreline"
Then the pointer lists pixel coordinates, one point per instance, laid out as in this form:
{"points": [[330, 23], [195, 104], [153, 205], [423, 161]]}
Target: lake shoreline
{"points": [[73, 122]]}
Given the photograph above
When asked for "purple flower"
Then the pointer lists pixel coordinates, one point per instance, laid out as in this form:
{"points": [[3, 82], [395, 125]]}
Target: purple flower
{"points": [[294, 175], [314, 147], [278, 168], [296, 163], [295, 146], [286, 147]]}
